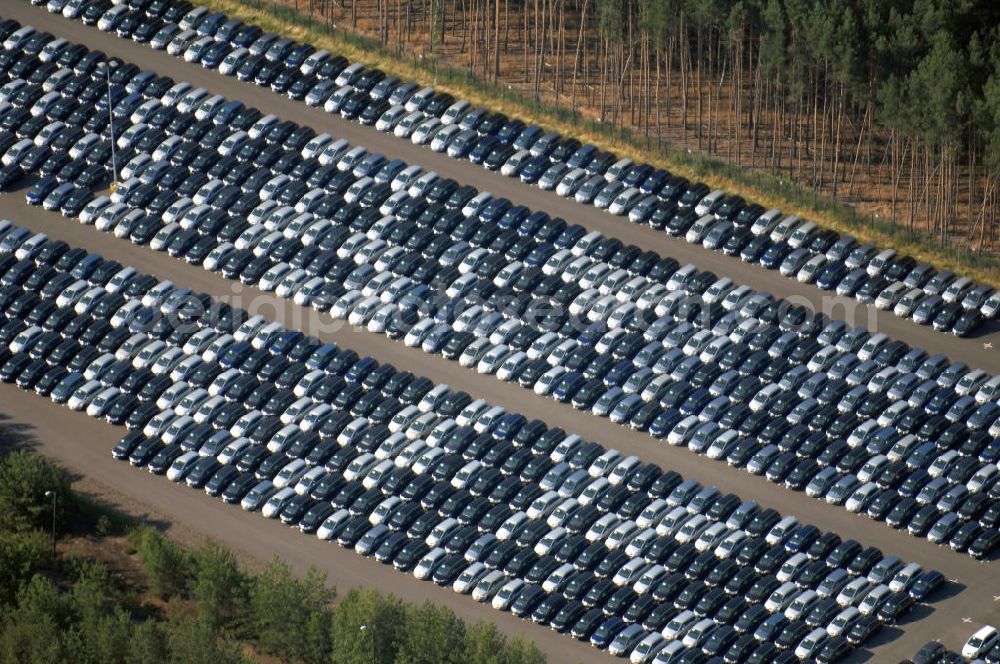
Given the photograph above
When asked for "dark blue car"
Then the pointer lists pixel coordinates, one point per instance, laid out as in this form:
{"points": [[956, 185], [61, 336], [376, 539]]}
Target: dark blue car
{"points": [[534, 169], [607, 631], [213, 57], [481, 148], [774, 255], [236, 355], [509, 426], [361, 369], [540, 254], [582, 157], [209, 25], [637, 175], [570, 236], [926, 585], [246, 35], [228, 30], [321, 356], [619, 373], [664, 423], [41, 189], [831, 275], [568, 385], [531, 224], [528, 137], [495, 209], [510, 131], [116, 94], [655, 182], [284, 342]]}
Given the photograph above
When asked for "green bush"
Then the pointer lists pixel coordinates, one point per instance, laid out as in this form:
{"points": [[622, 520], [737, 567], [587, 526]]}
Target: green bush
{"points": [[167, 565], [218, 585], [289, 616], [384, 618], [21, 556], [425, 634], [24, 480], [31, 630], [193, 641]]}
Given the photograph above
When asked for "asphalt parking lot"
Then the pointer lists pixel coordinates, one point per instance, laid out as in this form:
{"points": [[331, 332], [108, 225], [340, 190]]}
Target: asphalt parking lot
{"points": [[981, 350], [970, 596], [948, 616]]}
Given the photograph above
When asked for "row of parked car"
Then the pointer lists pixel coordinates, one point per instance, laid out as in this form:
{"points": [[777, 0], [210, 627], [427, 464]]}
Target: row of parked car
{"points": [[534, 520], [856, 419], [639, 191]]}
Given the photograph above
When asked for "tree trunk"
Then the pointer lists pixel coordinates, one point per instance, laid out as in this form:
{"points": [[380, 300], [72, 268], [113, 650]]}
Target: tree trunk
{"points": [[576, 57]]}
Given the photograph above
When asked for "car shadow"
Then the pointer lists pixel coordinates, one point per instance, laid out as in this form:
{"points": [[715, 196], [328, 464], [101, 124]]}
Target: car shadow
{"points": [[947, 591], [890, 633], [984, 329], [918, 612], [885, 635], [15, 435]]}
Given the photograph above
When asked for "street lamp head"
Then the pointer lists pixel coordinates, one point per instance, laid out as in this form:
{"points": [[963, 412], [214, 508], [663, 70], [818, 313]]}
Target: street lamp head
{"points": [[50, 493]]}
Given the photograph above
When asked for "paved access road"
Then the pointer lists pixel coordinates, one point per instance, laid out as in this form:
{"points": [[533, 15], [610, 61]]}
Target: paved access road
{"points": [[982, 351], [976, 581]]}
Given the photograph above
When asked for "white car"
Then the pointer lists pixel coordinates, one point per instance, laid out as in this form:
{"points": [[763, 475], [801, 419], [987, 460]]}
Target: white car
{"points": [[489, 586], [801, 605], [93, 209], [178, 469], [230, 451], [843, 621], [493, 359], [696, 634], [469, 578], [905, 577], [874, 599], [272, 508], [505, 596], [332, 524], [343, 306], [810, 645], [853, 592], [782, 597], [218, 256], [425, 568], [470, 356], [291, 474], [631, 572], [649, 648], [679, 625], [981, 642], [156, 426], [24, 338], [98, 407]]}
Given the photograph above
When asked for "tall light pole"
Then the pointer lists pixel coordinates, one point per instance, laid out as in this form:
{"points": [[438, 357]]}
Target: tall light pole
{"points": [[52, 494], [108, 66], [372, 633]]}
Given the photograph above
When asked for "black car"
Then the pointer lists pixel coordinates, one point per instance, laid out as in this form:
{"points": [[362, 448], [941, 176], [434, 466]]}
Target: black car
{"points": [[863, 629]]}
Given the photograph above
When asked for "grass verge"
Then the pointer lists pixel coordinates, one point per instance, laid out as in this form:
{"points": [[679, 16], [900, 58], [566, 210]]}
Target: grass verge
{"points": [[770, 189]]}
